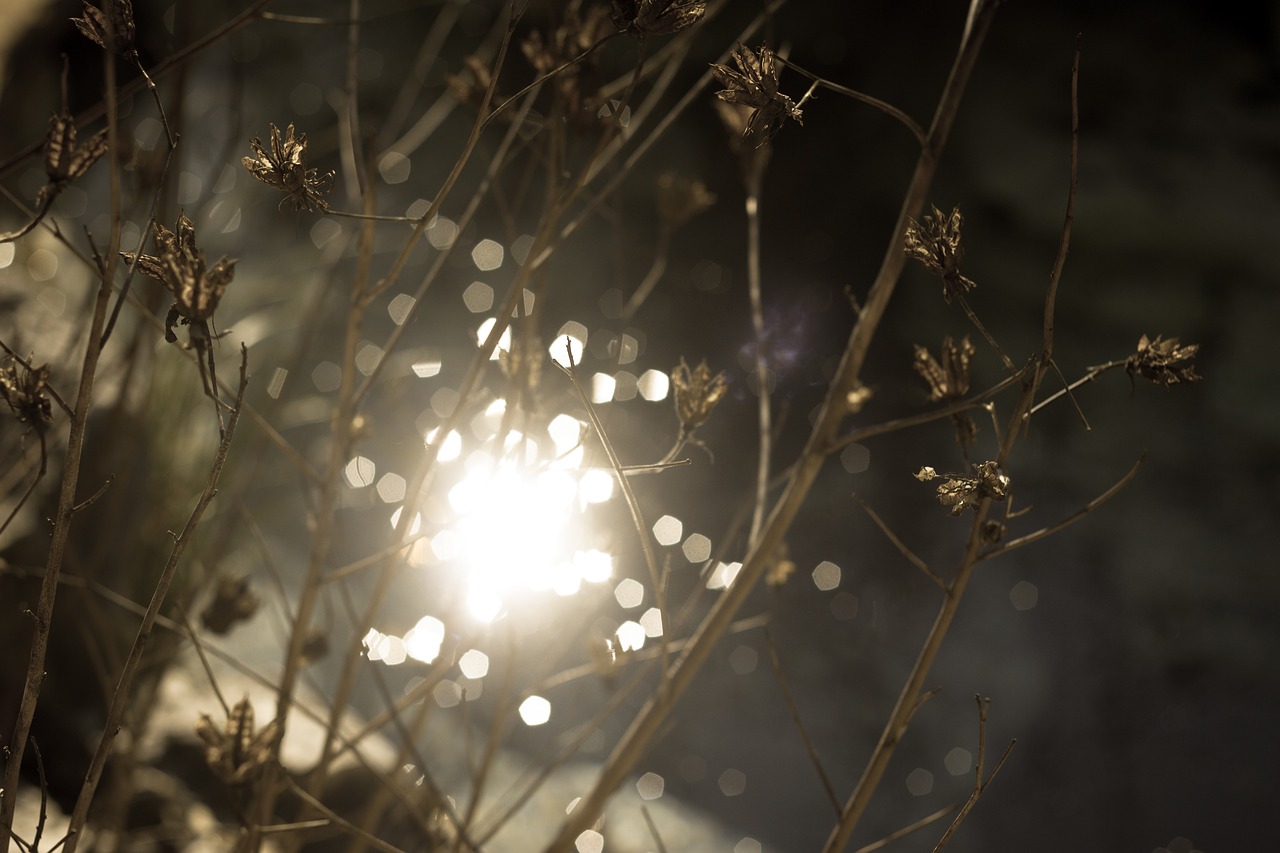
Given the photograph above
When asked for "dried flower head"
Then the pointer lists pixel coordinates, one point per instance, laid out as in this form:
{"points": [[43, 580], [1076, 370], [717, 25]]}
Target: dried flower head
{"points": [[284, 167], [235, 754], [111, 27], [233, 601], [657, 17], [949, 381], [680, 199], [23, 389], [935, 242], [1164, 361], [966, 491], [781, 567], [858, 397], [64, 161], [755, 84], [697, 392], [182, 269]]}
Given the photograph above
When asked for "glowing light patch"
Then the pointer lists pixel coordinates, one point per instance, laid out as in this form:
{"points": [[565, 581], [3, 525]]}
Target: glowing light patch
{"points": [[487, 255], [958, 761], [654, 385], [359, 472], [602, 388], [484, 605], [565, 431], [423, 640], [426, 369], [596, 486], [415, 528], [441, 232], [747, 845], [652, 622], [276, 385], [400, 307], [919, 782], [589, 841], [394, 167], [564, 347], [723, 576], [732, 782], [1024, 595], [504, 340], [624, 386], [478, 297], [474, 664], [630, 593], [668, 530], [826, 576], [697, 548], [452, 447], [535, 711], [631, 636], [391, 488], [650, 786], [593, 566]]}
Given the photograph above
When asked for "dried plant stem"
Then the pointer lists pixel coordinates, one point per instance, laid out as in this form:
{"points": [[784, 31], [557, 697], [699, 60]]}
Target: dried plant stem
{"points": [[908, 829], [794, 710], [1069, 520], [901, 714], [885, 107], [636, 740], [337, 820], [764, 420], [650, 139], [982, 330], [43, 617], [1094, 373], [900, 545], [980, 781], [175, 60], [633, 504], [120, 698]]}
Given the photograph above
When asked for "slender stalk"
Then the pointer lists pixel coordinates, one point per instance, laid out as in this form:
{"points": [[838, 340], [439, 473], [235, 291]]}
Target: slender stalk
{"points": [[649, 720], [43, 617], [764, 420], [120, 698]]}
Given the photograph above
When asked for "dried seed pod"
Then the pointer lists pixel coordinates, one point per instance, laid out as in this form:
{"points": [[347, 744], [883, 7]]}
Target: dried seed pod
{"points": [[235, 754], [657, 17], [111, 27], [284, 167], [23, 389], [966, 491], [754, 84], [233, 601], [935, 242], [1164, 361], [696, 393]]}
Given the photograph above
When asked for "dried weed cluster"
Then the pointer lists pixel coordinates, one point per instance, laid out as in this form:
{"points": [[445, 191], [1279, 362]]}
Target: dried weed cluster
{"points": [[558, 115]]}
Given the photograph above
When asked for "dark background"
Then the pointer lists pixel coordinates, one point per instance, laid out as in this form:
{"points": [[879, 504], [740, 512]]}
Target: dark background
{"points": [[1142, 686]]}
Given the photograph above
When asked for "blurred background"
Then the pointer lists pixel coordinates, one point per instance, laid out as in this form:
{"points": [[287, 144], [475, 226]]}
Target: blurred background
{"points": [[1132, 656]]}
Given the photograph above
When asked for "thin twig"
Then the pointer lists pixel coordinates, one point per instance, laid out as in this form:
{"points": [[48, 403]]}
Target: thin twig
{"points": [[70, 477], [1069, 520], [653, 829], [908, 829], [794, 710], [120, 699], [980, 782], [888, 109], [900, 545], [649, 720], [337, 820], [637, 515]]}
